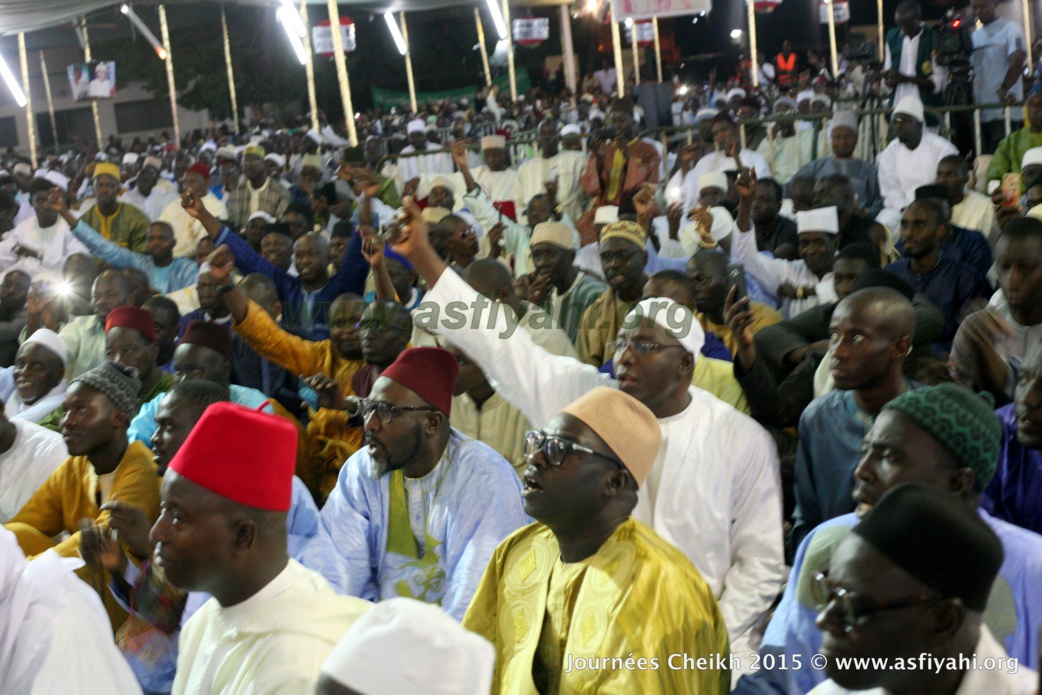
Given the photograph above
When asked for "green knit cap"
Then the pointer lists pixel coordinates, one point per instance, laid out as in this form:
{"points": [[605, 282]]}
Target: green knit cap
{"points": [[961, 420]]}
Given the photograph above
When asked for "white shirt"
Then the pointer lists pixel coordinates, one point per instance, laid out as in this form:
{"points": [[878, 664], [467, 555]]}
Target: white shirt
{"points": [[771, 273], [717, 161], [56, 243], [412, 167], [997, 681], [976, 212], [902, 170], [993, 44], [55, 636], [273, 643], [34, 455], [718, 491], [188, 231], [501, 186], [570, 165], [155, 203]]}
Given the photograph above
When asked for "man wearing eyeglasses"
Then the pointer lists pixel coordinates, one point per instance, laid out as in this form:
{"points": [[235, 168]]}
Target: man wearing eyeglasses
{"points": [[908, 589], [714, 490], [588, 580], [418, 511], [945, 437]]}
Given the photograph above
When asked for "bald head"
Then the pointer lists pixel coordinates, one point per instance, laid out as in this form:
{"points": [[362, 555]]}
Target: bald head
{"points": [[262, 289], [885, 306], [489, 277]]}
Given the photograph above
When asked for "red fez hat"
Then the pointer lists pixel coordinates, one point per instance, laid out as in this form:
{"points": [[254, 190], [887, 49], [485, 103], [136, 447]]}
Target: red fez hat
{"points": [[208, 334], [132, 317], [200, 169], [428, 371], [242, 455]]}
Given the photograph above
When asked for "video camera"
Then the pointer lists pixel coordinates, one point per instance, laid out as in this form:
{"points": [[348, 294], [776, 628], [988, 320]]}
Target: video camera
{"points": [[865, 54], [954, 43]]}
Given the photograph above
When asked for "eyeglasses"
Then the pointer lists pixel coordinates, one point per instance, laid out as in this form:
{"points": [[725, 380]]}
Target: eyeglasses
{"points": [[385, 411], [851, 607], [639, 347], [556, 449]]}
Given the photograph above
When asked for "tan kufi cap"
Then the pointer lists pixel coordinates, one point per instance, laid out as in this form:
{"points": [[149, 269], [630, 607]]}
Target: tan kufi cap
{"points": [[434, 215], [625, 424], [554, 233], [493, 142], [630, 231]]}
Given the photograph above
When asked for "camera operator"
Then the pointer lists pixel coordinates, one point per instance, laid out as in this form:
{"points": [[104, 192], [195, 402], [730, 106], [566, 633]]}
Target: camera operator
{"points": [[908, 66], [998, 58]]}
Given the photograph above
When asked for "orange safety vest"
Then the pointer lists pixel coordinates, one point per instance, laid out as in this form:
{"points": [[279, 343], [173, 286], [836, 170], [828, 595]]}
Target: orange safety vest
{"points": [[785, 67]]}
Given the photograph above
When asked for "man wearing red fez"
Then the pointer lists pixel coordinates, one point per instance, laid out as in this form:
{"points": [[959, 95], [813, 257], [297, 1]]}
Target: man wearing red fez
{"points": [[204, 352], [122, 224], [130, 339], [270, 622], [187, 231], [419, 510]]}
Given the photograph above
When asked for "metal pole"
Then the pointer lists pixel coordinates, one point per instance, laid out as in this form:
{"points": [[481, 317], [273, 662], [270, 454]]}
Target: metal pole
{"points": [[231, 75], [93, 103], [754, 65], [29, 118], [170, 72], [1027, 34], [510, 51], [616, 44], [879, 28], [309, 63], [50, 100], [658, 48], [832, 36], [484, 51], [408, 62], [636, 53], [341, 71], [569, 49]]}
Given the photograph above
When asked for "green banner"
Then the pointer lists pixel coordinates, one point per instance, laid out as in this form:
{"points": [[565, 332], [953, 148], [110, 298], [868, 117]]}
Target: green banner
{"points": [[386, 98]]}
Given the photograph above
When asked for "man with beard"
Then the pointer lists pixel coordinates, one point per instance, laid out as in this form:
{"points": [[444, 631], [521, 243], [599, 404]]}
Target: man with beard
{"points": [[958, 244], [188, 232], [165, 273], [871, 336], [557, 283], [223, 530], [124, 225], [497, 179], [949, 284], [150, 194], [40, 245], [728, 157], [788, 148], [910, 160], [970, 210], [623, 258], [418, 512], [943, 437], [713, 490], [338, 359], [35, 384], [855, 227], [587, 560], [102, 467], [259, 193], [561, 168], [862, 174], [85, 335]]}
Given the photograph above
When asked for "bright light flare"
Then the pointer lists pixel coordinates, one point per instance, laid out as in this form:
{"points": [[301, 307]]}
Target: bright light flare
{"points": [[396, 33], [285, 18], [12, 83], [497, 18], [128, 11]]}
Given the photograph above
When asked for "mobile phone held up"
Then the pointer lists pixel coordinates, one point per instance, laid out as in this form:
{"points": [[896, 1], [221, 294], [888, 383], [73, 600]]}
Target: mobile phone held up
{"points": [[736, 278]]}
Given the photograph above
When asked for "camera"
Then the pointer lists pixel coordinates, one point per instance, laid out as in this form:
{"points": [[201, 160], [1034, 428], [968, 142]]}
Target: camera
{"points": [[865, 53], [954, 43]]}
